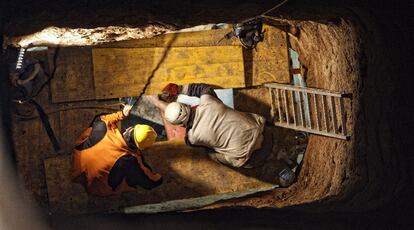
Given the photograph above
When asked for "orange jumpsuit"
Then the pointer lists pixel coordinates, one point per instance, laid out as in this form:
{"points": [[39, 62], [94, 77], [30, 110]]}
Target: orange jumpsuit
{"points": [[95, 162]]}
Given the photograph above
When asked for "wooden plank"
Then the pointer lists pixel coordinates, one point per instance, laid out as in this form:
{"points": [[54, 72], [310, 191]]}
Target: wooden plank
{"points": [[187, 173], [73, 79], [269, 61], [123, 72], [64, 196], [32, 145]]}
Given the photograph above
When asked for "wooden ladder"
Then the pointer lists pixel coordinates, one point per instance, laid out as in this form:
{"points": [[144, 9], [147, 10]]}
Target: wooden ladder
{"points": [[308, 109]]}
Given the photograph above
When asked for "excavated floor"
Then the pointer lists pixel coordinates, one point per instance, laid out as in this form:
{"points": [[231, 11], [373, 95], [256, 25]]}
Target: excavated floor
{"points": [[342, 48], [190, 178], [334, 45]]}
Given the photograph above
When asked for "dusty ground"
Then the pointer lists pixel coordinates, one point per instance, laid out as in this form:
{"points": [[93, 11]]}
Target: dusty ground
{"points": [[363, 50]]}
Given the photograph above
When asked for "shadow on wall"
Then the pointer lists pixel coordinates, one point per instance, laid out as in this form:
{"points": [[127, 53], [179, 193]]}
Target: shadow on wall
{"points": [[253, 100]]}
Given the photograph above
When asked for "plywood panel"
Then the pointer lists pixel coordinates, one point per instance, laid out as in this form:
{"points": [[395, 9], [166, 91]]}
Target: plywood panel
{"points": [[73, 79], [64, 196], [123, 72], [268, 62], [32, 145], [187, 173]]}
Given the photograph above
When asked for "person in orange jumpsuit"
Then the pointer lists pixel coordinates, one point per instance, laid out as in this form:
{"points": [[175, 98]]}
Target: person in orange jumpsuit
{"points": [[109, 162]]}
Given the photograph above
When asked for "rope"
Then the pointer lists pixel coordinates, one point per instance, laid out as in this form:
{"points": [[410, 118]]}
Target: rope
{"points": [[263, 15], [273, 8]]}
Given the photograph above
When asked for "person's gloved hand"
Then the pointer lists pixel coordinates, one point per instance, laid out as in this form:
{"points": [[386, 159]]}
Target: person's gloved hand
{"points": [[170, 92], [126, 110]]}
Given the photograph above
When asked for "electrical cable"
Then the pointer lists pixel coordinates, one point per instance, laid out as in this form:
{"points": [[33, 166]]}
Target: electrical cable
{"points": [[26, 118], [263, 15], [152, 74], [46, 124], [273, 8]]}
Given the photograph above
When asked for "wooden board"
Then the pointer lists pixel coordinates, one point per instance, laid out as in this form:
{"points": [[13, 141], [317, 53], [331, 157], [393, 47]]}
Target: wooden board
{"points": [[122, 72], [187, 173], [73, 79], [64, 196], [32, 145], [269, 61]]}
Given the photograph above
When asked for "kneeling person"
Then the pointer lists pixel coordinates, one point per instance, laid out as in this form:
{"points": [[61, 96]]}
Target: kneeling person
{"points": [[108, 162], [238, 139]]}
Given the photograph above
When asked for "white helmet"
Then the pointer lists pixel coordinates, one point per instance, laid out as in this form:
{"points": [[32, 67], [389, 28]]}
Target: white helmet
{"points": [[177, 113]]}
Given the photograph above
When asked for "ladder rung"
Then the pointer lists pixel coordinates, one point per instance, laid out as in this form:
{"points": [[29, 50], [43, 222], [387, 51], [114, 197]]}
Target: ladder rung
{"points": [[293, 107], [325, 113], [278, 105], [302, 120], [334, 120], [286, 105], [318, 121], [272, 107], [307, 110], [342, 111]]}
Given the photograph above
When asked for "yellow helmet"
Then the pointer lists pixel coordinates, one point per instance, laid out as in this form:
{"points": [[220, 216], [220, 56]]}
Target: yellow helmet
{"points": [[144, 136]]}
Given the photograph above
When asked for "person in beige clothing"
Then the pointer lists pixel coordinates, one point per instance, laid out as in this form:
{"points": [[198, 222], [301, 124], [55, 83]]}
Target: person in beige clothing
{"points": [[238, 139]]}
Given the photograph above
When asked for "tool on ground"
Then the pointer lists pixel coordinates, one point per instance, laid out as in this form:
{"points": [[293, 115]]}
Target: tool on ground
{"points": [[248, 32], [286, 177], [22, 79]]}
